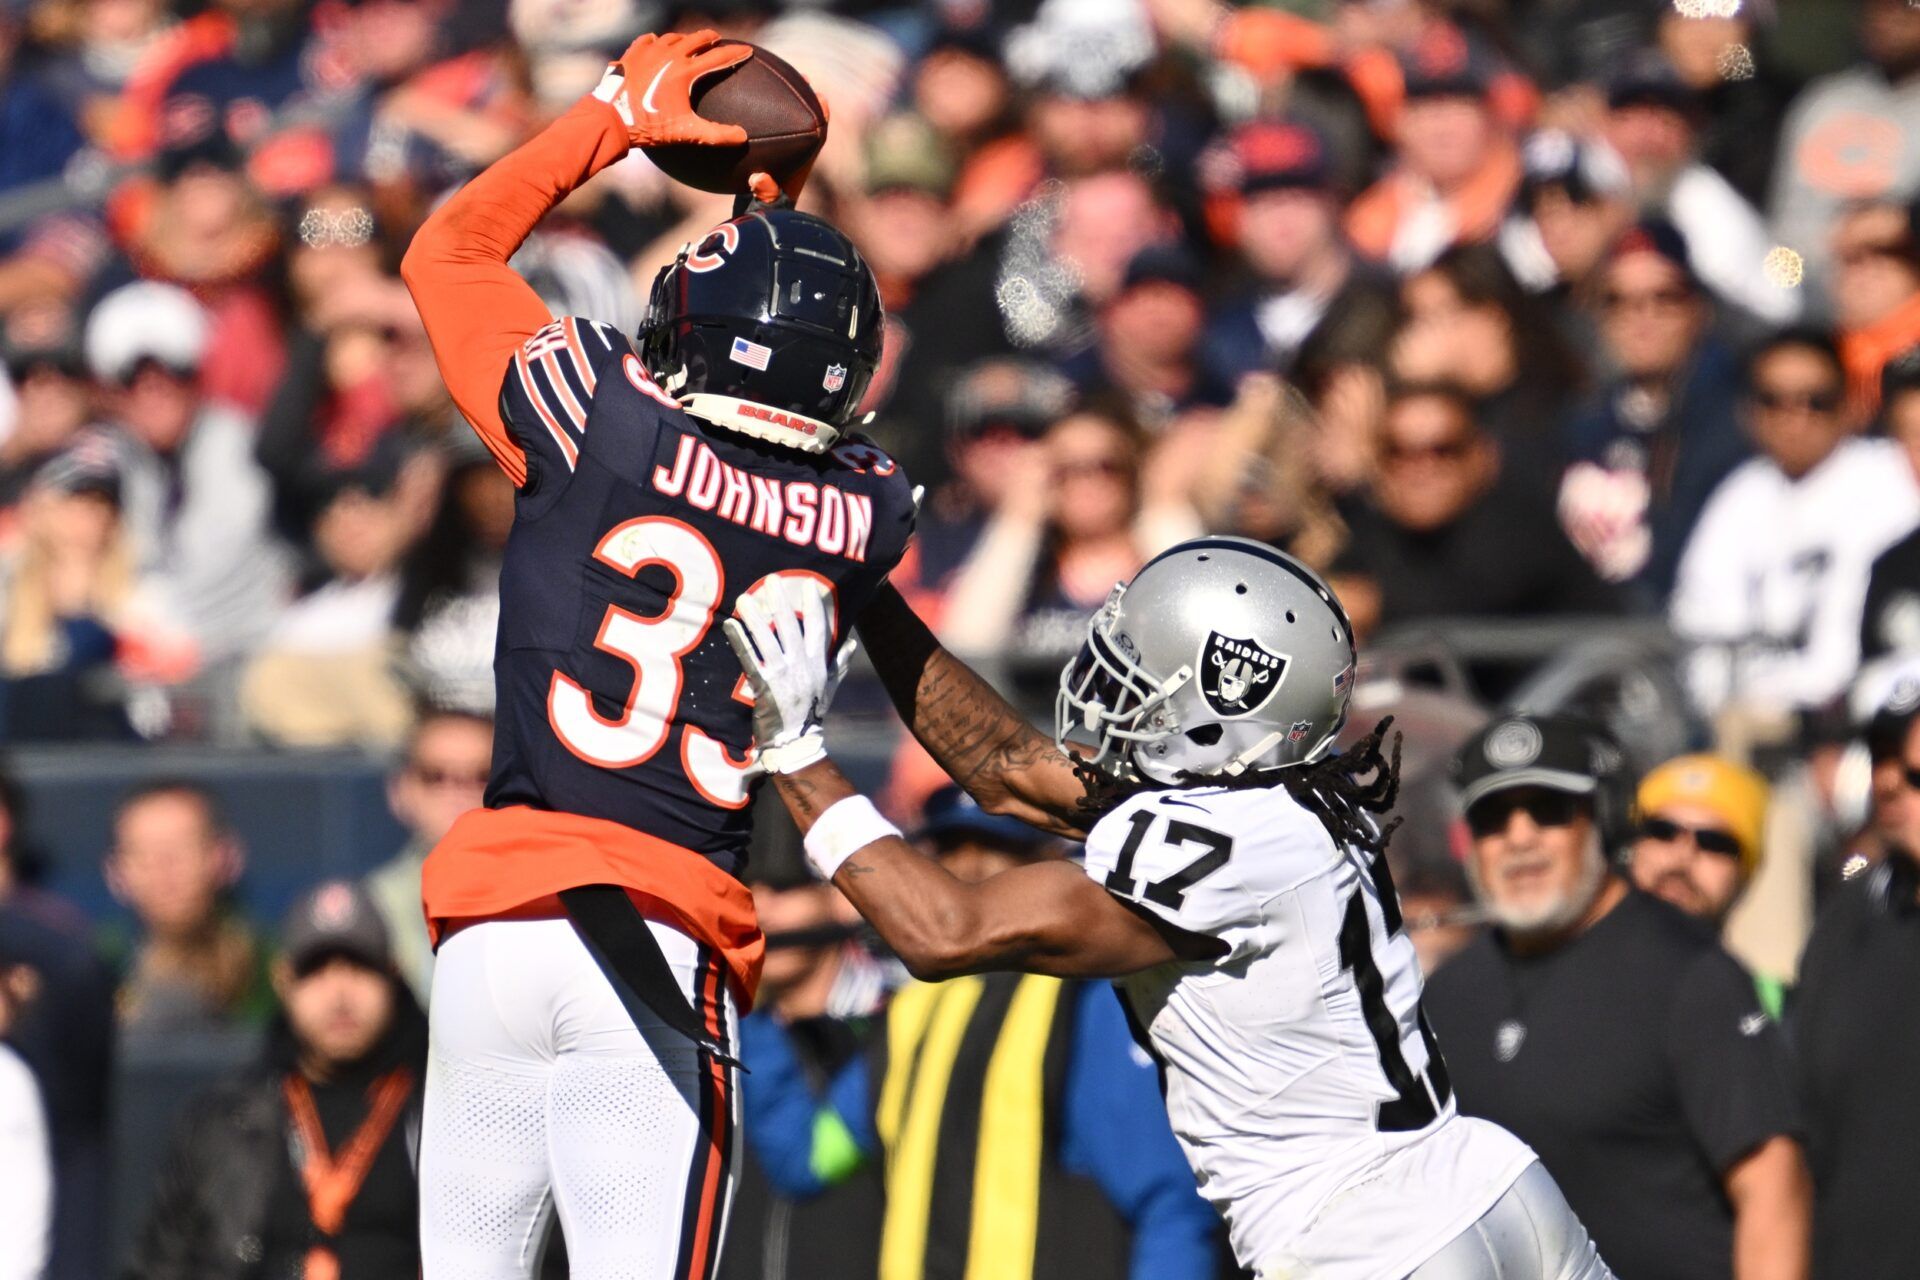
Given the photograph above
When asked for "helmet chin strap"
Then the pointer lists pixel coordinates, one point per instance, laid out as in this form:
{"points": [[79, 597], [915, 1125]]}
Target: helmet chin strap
{"points": [[1244, 760]]}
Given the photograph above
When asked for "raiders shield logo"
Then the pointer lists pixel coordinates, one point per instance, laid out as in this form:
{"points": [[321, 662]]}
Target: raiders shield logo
{"points": [[1238, 676], [836, 377]]}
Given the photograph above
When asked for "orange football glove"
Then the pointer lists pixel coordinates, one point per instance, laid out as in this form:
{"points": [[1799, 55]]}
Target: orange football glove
{"points": [[651, 87]]}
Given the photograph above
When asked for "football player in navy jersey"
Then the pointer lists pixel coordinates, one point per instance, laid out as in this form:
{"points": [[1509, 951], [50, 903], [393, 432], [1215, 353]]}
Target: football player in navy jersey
{"points": [[594, 938]]}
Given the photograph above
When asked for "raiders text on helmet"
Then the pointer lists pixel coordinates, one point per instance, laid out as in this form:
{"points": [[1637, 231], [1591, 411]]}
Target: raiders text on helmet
{"points": [[769, 326], [1221, 656]]}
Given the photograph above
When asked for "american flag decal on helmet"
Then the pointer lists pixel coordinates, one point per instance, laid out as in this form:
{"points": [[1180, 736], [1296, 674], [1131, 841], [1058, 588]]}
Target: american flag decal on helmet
{"points": [[750, 354]]}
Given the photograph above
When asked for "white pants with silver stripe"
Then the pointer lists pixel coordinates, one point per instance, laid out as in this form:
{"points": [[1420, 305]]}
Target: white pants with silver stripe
{"points": [[1530, 1234]]}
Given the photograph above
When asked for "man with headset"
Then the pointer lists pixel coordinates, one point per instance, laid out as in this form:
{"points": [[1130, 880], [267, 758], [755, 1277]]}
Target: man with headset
{"points": [[1608, 1031]]}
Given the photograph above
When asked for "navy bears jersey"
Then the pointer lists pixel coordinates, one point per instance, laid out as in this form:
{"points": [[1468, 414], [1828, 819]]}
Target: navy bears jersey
{"points": [[635, 531]]}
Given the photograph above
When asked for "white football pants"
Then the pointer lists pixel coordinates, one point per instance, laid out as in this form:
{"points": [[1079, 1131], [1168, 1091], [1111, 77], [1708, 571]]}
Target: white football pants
{"points": [[1531, 1233], [544, 1093]]}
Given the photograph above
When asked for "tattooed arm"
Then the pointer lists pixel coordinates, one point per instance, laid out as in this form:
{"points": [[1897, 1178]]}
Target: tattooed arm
{"points": [[985, 745], [1045, 917]]}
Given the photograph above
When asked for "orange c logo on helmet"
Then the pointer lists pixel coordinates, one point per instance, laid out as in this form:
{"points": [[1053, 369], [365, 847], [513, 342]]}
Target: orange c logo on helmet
{"points": [[702, 260]]}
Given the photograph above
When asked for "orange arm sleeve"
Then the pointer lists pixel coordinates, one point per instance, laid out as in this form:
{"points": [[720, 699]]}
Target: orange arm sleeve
{"points": [[476, 311]]}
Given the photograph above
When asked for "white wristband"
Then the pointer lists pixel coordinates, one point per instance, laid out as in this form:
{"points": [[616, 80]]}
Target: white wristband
{"points": [[847, 827]]}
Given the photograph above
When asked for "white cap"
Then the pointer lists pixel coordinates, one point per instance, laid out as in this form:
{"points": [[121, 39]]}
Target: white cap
{"points": [[145, 321]]}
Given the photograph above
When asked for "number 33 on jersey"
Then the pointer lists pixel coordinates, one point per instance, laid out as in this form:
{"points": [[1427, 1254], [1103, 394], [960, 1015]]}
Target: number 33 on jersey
{"points": [[635, 531]]}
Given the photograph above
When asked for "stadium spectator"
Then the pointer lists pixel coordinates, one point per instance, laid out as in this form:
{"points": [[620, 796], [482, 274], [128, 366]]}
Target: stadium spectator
{"points": [[941, 314], [26, 1211], [1771, 583], [1726, 57], [65, 1036], [71, 596], [1147, 351], [1890, 618], [1575, 203], [828, 993], [1273, 197], [1852, 135], [1466, 321], [1066, 254], [87, 57], [1702, 819], [337, 399], [995, 414], [1854, 1029], [1651, 125], [305, 1165], [1104, 1152], [1661, 434], [1085, 113], [1437, 907], [962, 90], [425, 110], [195, 503], [1884, 702], [194, 961], [1609, 1033], [38, 134], [1258, 470], [205, 226], [1876, 295], [1074, 521], [1455, 169], [1442, 536], [324, 675], [442, 773], [449, 607], [40, 351]]}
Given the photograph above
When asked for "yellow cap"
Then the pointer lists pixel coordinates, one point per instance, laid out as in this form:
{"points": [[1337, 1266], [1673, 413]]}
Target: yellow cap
{"points": [[1735, 793]]}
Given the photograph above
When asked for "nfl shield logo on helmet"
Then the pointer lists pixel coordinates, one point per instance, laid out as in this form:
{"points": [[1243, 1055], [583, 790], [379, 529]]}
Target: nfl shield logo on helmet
{"points": [[1237, 677], [835, 379]]}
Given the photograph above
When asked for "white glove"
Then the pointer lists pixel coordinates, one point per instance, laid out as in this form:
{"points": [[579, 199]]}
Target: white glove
{"points": [[781, 636]]}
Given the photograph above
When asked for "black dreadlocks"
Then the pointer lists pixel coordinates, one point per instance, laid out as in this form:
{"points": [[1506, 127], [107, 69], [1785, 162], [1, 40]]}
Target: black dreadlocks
{"points": [[1338, 789]]}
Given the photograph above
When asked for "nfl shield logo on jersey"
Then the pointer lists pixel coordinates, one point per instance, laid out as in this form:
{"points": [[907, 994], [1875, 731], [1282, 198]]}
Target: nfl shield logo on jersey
{"points": [[1237, 677], [836, 378]]}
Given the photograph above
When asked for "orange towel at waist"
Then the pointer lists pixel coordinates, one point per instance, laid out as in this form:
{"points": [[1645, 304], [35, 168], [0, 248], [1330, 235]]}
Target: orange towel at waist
{"points": [[495, 862]]}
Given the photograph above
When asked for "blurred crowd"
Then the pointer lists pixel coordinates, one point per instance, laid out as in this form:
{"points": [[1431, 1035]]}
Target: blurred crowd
{"points": [[1459, 302], [1604, 311]]}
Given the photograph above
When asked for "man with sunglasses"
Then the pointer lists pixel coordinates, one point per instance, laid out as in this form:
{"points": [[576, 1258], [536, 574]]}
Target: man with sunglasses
{"points": [[1440, 512], [1661, 434], [441, 774], [1697, 844], [1772, 581], [1603, 1028]]}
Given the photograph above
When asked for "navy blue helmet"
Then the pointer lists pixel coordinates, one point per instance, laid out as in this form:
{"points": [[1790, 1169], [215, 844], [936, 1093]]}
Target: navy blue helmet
{"points": [[770, 326]]}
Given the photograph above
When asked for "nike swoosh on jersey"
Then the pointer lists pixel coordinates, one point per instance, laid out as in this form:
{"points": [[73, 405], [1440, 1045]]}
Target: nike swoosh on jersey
{"points": [[646, 99]]}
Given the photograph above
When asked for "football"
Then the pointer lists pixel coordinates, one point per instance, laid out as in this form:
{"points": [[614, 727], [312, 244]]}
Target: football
{"points": [[782, 115]]}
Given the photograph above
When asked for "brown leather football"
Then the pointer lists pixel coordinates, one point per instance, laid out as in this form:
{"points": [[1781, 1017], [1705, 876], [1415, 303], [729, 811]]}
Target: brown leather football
{"points": [[776, 106]]}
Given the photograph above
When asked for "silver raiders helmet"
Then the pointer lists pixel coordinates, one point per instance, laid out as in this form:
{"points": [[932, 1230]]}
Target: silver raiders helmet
{"points": [[1221, 656]]}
